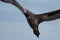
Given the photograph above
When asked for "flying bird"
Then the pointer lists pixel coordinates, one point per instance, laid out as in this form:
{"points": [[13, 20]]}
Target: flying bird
{"points": [[35, 19]]}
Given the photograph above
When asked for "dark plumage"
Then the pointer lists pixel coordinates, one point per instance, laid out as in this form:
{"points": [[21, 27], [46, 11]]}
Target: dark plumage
{"points": [[35, 19]]}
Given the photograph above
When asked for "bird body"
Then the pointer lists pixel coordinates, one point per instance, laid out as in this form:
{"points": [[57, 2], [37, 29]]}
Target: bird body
{"points": [[35, 19]]}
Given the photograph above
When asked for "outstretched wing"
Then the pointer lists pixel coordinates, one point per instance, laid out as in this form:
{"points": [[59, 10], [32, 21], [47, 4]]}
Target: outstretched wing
{"points": [[52, 15], [49, 16], [15, 3]]}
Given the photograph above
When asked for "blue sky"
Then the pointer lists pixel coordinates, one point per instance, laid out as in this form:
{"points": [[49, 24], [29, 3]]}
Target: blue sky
{"points": [[14, 26]]}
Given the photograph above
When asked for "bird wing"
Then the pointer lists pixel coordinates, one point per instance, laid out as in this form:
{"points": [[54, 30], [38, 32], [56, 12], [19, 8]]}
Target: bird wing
{"points": [[15, 3], [49, 16]]}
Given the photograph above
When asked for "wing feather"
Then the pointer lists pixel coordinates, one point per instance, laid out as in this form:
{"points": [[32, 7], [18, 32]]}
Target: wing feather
{"points": [[49, 16], [52, 15]]}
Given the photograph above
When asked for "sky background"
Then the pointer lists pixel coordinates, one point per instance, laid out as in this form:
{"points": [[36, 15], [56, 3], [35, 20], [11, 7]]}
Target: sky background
{"points": [[14, 26]]}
